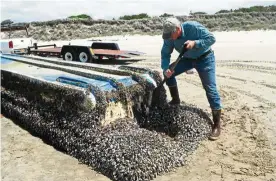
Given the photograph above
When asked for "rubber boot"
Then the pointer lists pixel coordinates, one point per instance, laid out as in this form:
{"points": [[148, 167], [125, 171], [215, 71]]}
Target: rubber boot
{"points": [[216, 129], [175, 96]]}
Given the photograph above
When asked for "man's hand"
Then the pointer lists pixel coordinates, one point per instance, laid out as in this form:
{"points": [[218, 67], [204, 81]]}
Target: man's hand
{"points": [[168, 73], [189, 44]]}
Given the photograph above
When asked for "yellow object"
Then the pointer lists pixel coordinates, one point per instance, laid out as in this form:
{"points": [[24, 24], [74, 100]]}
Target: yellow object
{"points": [[91, 50]]}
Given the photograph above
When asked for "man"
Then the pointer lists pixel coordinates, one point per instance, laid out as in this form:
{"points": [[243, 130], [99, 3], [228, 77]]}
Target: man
{"points": [[198, 41]]}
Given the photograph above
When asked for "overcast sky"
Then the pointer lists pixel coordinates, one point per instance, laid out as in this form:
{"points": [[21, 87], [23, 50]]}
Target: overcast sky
{"points": [[40, 10]]}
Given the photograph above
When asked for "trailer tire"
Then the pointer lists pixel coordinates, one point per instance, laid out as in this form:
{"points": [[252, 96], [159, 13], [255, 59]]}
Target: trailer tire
{"points": [[84, 57], [69, 56]]}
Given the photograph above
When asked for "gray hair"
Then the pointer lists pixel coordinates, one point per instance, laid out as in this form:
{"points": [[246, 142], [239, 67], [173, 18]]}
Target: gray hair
{"points": [[169, 26]]}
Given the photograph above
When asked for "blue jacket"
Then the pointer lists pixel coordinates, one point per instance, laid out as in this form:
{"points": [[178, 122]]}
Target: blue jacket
{"points": [[191, 30]]}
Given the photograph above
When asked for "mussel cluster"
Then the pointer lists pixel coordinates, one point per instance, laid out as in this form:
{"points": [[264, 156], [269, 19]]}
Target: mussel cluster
{"points": [[155, 142]]}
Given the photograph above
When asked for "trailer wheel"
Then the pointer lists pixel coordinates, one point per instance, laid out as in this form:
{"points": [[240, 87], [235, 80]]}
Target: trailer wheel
{"points": [[68, 56], [83, 57]]}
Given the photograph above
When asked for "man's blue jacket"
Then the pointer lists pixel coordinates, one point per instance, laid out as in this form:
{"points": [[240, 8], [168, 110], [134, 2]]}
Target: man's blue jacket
{"points": [[191, 30]]}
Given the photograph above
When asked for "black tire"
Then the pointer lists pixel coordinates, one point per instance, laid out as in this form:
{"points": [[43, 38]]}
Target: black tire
{"points": [[84, 57], [69, 56]]}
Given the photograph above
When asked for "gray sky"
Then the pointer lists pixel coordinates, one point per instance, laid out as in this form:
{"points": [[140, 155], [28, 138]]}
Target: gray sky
{"points": [[40, 10]]}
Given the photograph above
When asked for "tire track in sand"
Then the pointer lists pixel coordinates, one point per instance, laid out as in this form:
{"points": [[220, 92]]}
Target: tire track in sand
{"points": [[245, 61], [263, 69], [245, 80], [234, 89]]}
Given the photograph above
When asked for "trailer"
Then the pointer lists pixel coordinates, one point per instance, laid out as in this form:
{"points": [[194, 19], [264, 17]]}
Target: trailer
{"points": [[87, 54]]}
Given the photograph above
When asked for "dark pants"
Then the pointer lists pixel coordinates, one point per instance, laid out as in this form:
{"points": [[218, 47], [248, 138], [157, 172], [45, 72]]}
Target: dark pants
{"points": [[206, 69]]}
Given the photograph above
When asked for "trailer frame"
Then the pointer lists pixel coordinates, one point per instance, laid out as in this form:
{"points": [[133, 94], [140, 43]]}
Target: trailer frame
{"points": [[86, 54]]}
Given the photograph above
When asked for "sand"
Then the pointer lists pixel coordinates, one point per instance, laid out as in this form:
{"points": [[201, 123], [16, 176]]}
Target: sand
{"points": [[246, 150]]}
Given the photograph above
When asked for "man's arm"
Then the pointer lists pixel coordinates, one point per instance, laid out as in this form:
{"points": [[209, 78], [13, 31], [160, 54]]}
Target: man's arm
{"points": [[206, 38], [166, 51]]}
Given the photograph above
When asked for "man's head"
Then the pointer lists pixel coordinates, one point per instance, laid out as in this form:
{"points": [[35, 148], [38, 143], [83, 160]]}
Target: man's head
{"points": [[171, 29]]}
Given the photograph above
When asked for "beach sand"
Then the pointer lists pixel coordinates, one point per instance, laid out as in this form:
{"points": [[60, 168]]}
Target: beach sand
{"points": [[246, 150]]}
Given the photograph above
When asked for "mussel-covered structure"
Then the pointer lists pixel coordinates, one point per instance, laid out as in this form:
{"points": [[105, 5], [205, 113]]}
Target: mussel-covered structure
{"points": [[104, 116]]}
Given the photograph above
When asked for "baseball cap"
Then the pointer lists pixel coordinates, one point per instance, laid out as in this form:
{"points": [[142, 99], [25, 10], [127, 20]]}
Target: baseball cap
{"points": [[169, 26]]}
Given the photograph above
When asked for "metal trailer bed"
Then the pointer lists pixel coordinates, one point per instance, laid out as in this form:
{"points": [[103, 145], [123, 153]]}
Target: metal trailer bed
{"points": [[94, 53]]}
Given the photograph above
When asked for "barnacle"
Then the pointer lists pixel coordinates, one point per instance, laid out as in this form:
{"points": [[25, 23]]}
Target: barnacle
{"points": [[157, 140]]}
